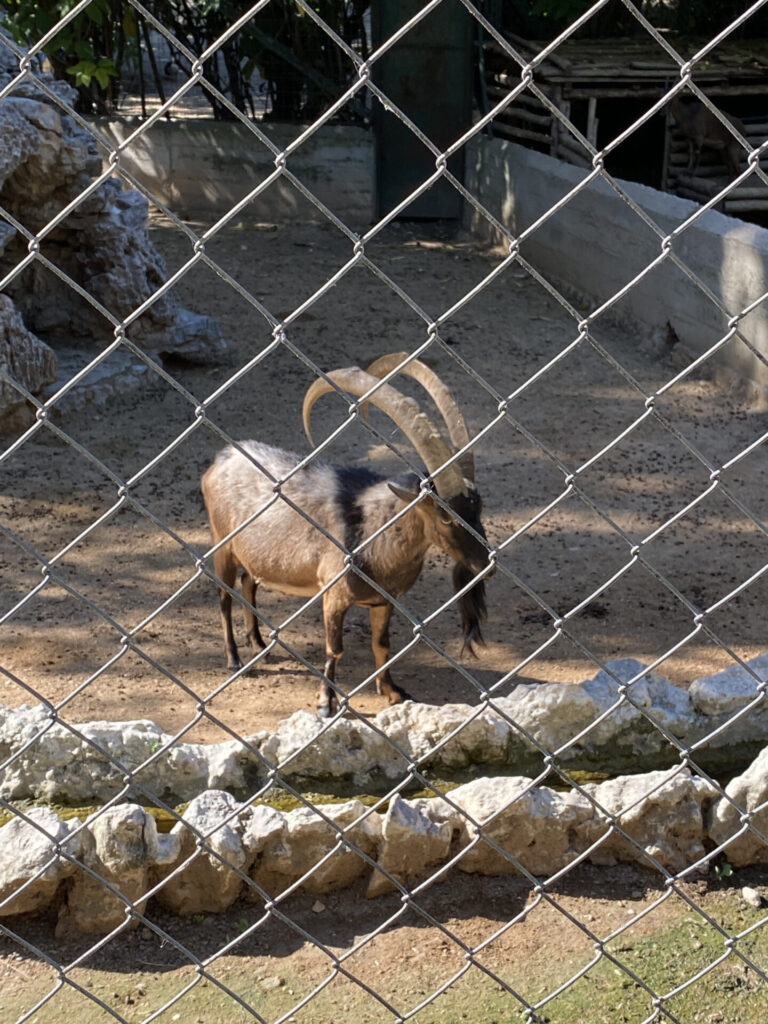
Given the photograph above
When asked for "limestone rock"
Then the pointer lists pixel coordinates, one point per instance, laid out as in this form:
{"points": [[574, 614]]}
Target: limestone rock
{"points": [[413, 842], [233, 765], [550, 712], [9, 69], [592, 724], [541, 829], [264, 827], [662, 812], [669, 706], [193, 337], [730, 690], [420, 729], [47, 164], [31, 865], [23, 357], [6, 234], [321, 847], [555, 714], [347, 749], [746, 794], [89, 763], [752, 897], [209, 871], [121, 845]]}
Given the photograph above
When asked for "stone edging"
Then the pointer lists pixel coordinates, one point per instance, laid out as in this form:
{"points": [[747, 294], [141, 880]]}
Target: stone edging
{"points": [[671, 818], [48, 761]]}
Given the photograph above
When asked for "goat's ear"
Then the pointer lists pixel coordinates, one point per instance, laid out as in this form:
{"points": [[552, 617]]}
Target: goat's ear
{"points": [[405, 486]]}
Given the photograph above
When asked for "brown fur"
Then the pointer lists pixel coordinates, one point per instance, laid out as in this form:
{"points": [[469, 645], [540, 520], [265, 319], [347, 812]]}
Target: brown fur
{"points": [[705, 131], [302, 552]]}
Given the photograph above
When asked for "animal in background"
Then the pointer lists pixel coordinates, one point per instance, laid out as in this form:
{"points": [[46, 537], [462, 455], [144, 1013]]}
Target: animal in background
{"points": [[703, 130]]}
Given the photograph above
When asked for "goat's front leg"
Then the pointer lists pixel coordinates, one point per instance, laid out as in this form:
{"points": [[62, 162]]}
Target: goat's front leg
{"points": [[693, 157], [333, 617], [381, 615], [733, 159]]}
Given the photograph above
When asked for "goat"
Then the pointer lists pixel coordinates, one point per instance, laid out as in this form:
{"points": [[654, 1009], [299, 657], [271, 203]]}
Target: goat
{"points": [[702, 129], [303, 552]]}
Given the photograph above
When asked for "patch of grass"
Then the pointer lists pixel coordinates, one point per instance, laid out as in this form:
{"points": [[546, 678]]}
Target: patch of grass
{"points": [[700, 969], [689, 967]]}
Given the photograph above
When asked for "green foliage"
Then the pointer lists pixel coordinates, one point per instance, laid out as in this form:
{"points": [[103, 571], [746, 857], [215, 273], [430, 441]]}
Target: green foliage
{"points": [[723, 870], [85, 70], [303, 67], [81, 51]]}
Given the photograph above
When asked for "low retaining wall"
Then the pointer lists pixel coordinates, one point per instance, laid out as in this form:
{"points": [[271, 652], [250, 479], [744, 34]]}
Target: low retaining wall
{"points": [[489, 826], [202, 168], [639, 716], [597, 244]]}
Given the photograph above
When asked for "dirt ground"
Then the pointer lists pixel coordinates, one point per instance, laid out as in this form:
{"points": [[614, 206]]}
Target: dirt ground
{"points": [[63, 643], [450, 954]]}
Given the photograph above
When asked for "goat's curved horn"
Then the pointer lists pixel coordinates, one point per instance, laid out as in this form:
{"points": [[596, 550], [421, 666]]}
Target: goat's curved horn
{"points": [[440, 395], [404, 412]]}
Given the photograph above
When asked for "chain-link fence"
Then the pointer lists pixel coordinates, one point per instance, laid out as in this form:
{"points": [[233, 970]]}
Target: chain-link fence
{"points": [[262, 830]]}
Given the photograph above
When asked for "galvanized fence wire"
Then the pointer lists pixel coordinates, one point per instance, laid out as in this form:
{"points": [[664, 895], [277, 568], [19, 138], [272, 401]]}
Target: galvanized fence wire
{"points": [[434, 345]]}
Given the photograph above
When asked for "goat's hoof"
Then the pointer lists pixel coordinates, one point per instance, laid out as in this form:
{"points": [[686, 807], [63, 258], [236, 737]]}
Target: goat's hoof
{"points": [[328, 709], [398, 697]]}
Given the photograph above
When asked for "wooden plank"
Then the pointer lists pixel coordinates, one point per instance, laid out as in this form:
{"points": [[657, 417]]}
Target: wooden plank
{"points": [[745, 206], [689, 193], [614, 92], [745, 192], [510, 131], [666, 155], [562, 105], [518, 111], [573, 150]]}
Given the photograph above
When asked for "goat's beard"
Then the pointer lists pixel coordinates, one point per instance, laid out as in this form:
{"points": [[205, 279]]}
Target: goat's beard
{"points": [[472, 607]]}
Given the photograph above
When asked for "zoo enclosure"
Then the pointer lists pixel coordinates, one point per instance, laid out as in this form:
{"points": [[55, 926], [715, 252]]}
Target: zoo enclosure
{"points": [[660, 1004]]}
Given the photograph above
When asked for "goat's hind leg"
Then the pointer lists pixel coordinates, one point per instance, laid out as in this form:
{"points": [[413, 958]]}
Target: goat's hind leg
{"points": [[225, 568], [252, 631]]}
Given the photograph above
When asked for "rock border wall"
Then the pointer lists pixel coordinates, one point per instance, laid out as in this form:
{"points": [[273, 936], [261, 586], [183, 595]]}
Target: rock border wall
{"points": [[625, 719], [101, 872]]}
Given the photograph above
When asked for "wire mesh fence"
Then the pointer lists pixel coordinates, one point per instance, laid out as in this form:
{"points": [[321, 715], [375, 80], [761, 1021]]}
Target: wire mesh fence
{"points": [[620, 539]]}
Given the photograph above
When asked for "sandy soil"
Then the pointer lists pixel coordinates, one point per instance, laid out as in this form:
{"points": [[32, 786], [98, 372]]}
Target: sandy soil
{"points": [[453, 938], [116, 576]]}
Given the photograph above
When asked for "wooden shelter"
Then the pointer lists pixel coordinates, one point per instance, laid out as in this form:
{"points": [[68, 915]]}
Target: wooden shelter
{"points": [[604, 85]]}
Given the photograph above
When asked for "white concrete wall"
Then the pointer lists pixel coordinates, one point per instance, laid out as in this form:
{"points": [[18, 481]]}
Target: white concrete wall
{"points": [[597, 243], [202, 168]]}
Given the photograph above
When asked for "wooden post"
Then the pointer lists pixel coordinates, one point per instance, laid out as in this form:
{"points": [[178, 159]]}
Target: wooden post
{"points": [[592, 121]]}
